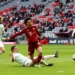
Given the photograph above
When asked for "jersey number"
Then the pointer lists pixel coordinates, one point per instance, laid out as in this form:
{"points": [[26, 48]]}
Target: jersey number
{"points": [[30, 33]]}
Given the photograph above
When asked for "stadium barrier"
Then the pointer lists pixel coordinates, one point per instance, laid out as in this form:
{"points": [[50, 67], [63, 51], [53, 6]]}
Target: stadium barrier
{"points": [[9, 43], [22, 42], [61, 40]]}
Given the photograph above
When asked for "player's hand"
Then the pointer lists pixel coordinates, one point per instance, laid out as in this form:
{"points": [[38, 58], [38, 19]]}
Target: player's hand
{"points": [[7, 39], [11, 55]]}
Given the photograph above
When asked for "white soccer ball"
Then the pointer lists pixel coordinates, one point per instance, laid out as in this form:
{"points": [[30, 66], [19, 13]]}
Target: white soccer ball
{"points": [[73, 57]]}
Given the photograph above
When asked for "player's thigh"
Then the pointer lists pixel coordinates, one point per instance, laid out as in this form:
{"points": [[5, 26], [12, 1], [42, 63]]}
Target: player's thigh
{"points": [[29, 62], [30, 49], [39, 47]]}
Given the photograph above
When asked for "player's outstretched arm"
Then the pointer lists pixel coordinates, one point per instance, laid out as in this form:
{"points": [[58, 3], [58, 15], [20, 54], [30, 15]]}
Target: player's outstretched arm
{"points": [[13, 36], [12, 58], [17, 34]]}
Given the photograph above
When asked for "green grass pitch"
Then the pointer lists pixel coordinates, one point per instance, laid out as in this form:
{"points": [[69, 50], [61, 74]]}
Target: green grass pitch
{"points": [[64, 65]]}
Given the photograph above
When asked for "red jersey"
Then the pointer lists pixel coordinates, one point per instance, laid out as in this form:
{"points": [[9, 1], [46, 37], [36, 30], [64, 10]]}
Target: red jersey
{"points": [[31, 33]]}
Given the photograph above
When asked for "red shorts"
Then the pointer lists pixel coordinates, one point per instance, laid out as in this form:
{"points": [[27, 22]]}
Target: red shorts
{"points": [[32, 47]]}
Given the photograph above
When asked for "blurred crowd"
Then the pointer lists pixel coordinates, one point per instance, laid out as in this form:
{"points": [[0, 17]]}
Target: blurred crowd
{"points": [[24, 0], [59, 15], [3, 1], [16, 17]]}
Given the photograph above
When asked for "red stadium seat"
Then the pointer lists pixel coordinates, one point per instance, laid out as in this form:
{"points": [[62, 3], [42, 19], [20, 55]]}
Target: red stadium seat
{"points": [[63, 14], [50, 15], [43, 20], [55, 24], [1, 12], [69, 27], [65, 20], [21, 10], [26, 9], [55, 4], [6, 10], [50, 20], [42, 16], [48, 9], [33, 15], [10, 8], [73, 26], [15, 23], [71, 6], [72, 11]]}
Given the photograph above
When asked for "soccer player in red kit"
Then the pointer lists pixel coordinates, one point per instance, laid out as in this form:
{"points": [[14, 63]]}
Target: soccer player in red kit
{"points": [[33, 43]]}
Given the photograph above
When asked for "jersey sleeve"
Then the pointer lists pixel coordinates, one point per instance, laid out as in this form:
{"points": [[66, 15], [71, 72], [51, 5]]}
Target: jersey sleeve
{"points": [[17, 34]]}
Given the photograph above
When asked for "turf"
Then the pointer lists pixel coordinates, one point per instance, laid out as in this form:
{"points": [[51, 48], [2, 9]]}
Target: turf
{"points": [[64, 65]]}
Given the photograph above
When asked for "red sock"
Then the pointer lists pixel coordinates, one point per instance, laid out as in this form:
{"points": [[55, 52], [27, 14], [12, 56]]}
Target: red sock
{"points": [[38, 59]]}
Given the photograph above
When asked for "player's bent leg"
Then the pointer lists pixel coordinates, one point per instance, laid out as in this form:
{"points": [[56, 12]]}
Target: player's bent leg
{"points": [[56, 54], [43, 62], [46, 64], [46, 57]]}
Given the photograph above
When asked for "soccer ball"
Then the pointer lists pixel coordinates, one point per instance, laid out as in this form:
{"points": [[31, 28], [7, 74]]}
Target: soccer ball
{"points": [[73, 57]]}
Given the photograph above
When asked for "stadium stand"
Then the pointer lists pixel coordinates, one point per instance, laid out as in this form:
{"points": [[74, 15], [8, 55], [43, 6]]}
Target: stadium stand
{"points": [[52, 17]]}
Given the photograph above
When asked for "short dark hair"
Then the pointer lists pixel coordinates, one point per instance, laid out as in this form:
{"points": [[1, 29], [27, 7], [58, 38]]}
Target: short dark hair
{"points": [[12, 48], [26, 19]]}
